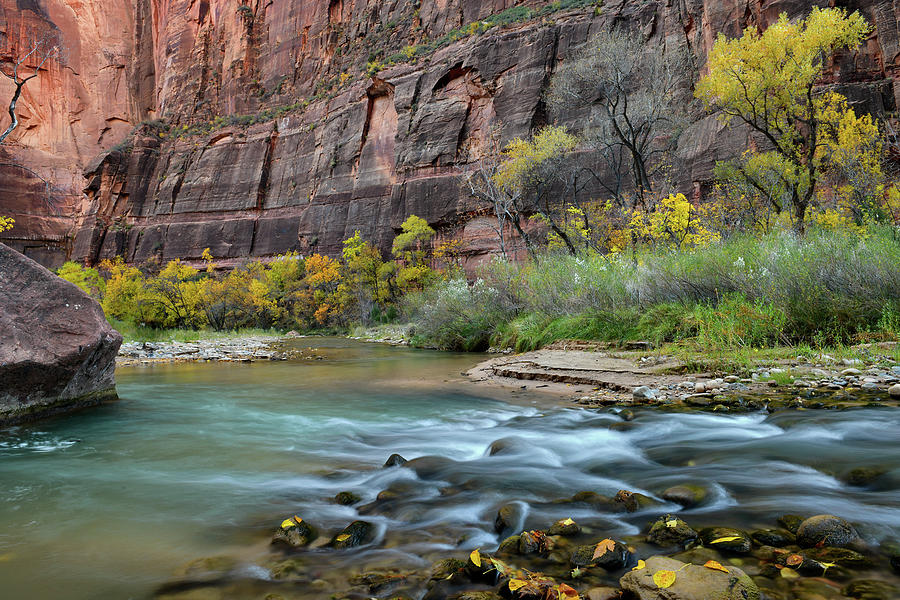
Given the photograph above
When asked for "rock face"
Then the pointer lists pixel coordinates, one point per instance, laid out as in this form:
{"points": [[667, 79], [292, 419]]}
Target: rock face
{"points": [[57, 351], [288, 125]]}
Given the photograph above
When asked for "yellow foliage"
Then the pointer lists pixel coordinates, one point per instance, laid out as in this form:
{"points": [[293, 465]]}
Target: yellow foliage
{"points": [[6, 223], [675, 222], [524, 157]]}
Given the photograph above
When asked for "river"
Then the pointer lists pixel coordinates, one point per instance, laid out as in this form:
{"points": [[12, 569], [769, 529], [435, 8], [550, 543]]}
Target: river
{"points": [[200, 460]]}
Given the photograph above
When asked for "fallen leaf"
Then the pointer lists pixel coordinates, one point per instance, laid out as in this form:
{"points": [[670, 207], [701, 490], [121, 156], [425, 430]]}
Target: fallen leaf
{"points": [[298, 519], [664, 579], [568, 521], [566, 591], [671, 523], [603, 547], [731, 538], [826, 565], [794, 560], [515, 584], [641, 564], [288, 523], [711, 564], [475, 557], [577, 572], [789, 573], [343, 537]]}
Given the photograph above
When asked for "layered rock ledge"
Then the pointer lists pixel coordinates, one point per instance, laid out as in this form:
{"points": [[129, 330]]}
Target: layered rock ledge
{"points": [[57, 351]]}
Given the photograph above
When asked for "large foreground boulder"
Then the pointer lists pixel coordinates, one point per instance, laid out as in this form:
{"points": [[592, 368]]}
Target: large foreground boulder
{"points": [[57, 351]]}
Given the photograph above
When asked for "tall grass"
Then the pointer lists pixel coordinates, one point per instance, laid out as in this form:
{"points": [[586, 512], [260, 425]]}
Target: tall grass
{"points": [[824, 288]]}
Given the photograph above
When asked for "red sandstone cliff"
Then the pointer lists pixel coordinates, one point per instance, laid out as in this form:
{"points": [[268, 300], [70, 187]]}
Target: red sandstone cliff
{"points": [[363, 154]]}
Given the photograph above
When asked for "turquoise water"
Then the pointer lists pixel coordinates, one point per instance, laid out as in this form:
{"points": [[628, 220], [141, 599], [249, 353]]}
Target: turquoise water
{"points": [[203, 460]]}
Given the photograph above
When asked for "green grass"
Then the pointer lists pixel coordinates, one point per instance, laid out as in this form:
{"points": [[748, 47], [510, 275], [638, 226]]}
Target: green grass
{"points": [[138, 333]]}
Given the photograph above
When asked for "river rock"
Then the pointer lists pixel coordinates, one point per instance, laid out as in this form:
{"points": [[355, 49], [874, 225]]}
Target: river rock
{"points": [[827, 530], [669, 532], [692, 582], [791, 522], [839, 556], [564, 527], [57, 351], [863, 476], [871, 589], [602, 593], [356, 533], [773, 537], [510, 545], [644, 393], [395, 460], [894, 391], [633, 501], [475, 595], [686, 495], [611, 560], [295, 532], [508, 517], [346, 498], [727, 539]]}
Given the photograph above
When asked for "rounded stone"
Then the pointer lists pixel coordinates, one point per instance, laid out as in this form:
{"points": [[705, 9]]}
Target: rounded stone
{"points": [[826, 530]]}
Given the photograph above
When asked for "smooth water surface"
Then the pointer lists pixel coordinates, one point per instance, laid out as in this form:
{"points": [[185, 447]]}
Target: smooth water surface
{"points": [[206, 459]]}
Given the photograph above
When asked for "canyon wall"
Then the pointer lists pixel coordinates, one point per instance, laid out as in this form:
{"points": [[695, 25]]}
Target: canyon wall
{"points": [[254, 128]]}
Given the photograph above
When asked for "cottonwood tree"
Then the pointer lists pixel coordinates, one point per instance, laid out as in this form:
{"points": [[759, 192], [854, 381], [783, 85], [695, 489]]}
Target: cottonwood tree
{"points": [[766, 81], [481, 180], [544, 176], [642, 106]]}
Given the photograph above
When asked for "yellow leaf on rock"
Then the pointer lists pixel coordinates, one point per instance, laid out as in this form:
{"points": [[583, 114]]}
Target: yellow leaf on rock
{"points": [[711, 564], [568, 521], [515, 584], [475, 557], [794, 560], [731, 538], [288, 523], [641, 564], [343, 537], [664, 579], [671, 523], [826, 565], [603, 547], [566, 591]]}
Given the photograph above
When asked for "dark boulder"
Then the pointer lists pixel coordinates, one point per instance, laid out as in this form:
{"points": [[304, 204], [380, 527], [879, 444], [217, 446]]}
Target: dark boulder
{"points": [[57, 351], [825, 530]]}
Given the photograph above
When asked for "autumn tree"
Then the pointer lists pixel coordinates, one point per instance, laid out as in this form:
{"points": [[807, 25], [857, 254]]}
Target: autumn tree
{"points": [[482, 182], [410, 247], [767, 82], [544, 177], [638, 91]]}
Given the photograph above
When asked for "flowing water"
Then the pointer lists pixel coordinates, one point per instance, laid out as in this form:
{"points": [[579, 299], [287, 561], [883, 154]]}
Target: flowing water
{"points": [[201, 460]]}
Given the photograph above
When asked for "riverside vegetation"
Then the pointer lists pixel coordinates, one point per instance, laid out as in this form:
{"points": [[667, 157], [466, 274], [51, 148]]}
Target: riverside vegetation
{"points": [[797, 244]]}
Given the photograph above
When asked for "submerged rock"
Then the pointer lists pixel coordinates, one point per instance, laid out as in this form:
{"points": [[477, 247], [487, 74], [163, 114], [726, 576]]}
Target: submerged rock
{"points": [[687, 495], [57, 351], [346, 498], [871, 589], [791, 522], [692, 582], [826, 530]]}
